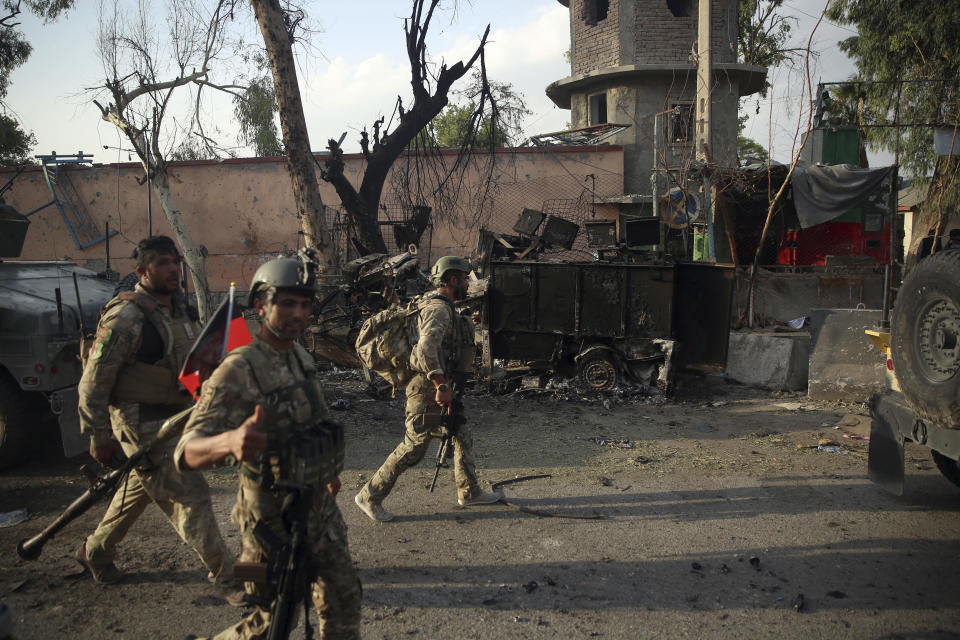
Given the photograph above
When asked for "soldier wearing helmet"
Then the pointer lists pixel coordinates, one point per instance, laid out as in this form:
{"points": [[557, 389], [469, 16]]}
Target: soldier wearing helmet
{"points": [[128, 389], [442, 357], [263, 409]]}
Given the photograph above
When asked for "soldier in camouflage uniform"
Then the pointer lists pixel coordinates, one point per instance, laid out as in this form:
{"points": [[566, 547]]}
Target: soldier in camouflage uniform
{"points": [[269, 388], [444, 352], [130, 383]]}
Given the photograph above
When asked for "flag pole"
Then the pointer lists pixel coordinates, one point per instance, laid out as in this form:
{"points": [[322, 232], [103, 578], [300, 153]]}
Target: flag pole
{"points": [[226, 331]]}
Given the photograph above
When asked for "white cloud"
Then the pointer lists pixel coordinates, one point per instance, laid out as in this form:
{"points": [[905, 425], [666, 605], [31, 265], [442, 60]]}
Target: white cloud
{"points": [[347, 95]]}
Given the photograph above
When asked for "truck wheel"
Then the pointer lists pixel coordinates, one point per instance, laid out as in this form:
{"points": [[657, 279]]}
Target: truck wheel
{"points": [[925, 338], [599, 372], [13, 426], [949, 468]]}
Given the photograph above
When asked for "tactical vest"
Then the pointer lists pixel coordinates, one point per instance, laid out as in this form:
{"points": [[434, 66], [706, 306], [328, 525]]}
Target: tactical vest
{"points": [[155, 382], [458, 348], [306, 451]]}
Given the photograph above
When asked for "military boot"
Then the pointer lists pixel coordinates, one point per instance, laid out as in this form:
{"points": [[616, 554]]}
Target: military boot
{"points": [[373, 510], [102, 574]]}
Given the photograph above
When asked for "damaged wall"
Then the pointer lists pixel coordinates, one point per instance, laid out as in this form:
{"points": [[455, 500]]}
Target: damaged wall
{"points": [[242, 210]]}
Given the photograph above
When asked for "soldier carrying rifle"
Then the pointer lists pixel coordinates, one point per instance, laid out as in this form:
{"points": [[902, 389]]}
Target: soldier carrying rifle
{"points": [[443, 353], [263, 409], [130, 383]]}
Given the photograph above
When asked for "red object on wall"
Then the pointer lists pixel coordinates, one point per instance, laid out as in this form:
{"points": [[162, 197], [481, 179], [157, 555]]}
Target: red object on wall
{"points": [[809, 247]]}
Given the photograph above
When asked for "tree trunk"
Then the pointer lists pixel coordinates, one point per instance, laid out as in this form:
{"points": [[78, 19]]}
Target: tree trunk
{"points": [[191, 253], [300, 160]]}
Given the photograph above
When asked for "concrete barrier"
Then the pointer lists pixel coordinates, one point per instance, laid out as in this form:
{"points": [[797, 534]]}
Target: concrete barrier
{"points": [[845, 365], [769, 360]]}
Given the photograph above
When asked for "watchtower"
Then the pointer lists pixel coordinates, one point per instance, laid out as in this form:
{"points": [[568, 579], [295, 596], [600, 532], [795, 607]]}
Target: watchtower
{"points": [[634, 62]]}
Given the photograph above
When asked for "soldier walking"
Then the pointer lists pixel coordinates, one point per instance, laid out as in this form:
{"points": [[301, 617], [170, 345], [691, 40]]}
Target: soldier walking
{"points": [[263, 409], [442, 356], [128, 389]]}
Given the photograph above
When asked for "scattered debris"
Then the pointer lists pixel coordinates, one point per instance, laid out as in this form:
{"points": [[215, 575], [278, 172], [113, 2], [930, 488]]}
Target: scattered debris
{"points": [[790, 406], [604, 481], [755, 562], [531, 586], [609, 442], [799, 604], [13, 518], [719, 403], [854, 436], [839, 450], [341, 405], [705, 428]]}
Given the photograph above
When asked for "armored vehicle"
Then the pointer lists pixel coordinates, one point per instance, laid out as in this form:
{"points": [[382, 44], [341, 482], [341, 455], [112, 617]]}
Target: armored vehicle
{"points": [[922, 402], [44, 309]]}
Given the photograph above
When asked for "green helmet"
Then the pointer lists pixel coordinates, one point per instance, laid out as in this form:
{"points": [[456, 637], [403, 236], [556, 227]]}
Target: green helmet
{"points": [[448, 263], [296, 272]]}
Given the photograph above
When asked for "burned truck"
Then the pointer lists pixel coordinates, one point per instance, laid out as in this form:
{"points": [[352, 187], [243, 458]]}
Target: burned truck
{"points": [[44, 308], [607, 321]]}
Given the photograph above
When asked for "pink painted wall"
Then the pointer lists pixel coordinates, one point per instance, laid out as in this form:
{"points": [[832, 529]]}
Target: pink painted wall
{"points": [[242, 210]]}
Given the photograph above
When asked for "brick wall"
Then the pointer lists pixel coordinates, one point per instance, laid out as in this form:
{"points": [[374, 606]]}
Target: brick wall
{"points": [[595, 46], [660, 37]]}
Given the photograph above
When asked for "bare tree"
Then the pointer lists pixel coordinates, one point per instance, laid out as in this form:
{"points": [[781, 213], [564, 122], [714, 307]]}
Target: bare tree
{"points": [[430, 95], [278, 27], [143, 73]]}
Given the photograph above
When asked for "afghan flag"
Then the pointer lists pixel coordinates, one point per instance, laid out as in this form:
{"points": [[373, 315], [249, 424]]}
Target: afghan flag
{"points": [[226, 330]]}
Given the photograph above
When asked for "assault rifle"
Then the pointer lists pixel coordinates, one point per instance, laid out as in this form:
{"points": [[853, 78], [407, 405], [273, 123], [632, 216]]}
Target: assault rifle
{"points": [[101, 486], [288, 572], [450, 420]]}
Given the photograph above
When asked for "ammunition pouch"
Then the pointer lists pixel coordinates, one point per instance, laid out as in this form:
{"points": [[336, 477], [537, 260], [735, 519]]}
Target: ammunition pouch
{"points": [[149, 384]]}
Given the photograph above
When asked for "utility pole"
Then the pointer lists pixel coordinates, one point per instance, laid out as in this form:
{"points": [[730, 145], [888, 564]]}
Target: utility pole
{"points": [[702, 134]]}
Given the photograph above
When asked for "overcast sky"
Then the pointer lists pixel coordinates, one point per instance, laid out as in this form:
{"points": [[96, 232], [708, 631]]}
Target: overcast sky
{"points": [[356, 66]]}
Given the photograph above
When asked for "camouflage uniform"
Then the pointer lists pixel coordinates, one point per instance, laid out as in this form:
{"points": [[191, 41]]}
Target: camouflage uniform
{"points": [[445, 346], [285, 383], [130, 384]]}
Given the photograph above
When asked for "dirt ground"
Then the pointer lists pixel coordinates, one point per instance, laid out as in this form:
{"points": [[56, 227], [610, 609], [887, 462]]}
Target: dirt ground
{"points": [[717, 516]]}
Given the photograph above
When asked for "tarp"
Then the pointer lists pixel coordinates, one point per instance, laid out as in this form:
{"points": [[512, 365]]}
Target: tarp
{"points": [[822, 193]]}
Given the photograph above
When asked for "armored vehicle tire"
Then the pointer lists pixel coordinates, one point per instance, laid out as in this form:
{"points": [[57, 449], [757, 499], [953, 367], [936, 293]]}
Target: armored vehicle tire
{"points": [[13, 427], [925, 338], [949, 468], [599, 372]]}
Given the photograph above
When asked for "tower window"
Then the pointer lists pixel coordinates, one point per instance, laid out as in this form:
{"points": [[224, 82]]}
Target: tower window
{"points": [[681, 123], [595, 11], [679, 8], [598, 108]]}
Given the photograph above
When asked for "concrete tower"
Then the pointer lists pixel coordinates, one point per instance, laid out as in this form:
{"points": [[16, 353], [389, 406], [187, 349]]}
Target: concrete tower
{"points": [[634, 62]]}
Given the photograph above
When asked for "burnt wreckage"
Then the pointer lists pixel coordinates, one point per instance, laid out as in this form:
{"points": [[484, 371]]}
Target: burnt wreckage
{"points": [[606, 320]]}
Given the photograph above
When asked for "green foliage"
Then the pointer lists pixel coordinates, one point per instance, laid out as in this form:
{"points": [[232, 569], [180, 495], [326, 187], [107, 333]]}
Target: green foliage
{"points": [[191, 149], [452, 128], [910, 54], [15, 143], [255, 111], [748, 147], [762, 33], [492, 117], [49, 10], [14, 51], [761, 38]]}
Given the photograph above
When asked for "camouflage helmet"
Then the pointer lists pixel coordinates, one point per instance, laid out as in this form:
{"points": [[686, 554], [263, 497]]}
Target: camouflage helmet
{"points": [[448, 263], [297, 272]]}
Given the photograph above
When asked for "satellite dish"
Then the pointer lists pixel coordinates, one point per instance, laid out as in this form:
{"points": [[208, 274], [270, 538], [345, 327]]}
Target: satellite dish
{"points": [[679, 208]]}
